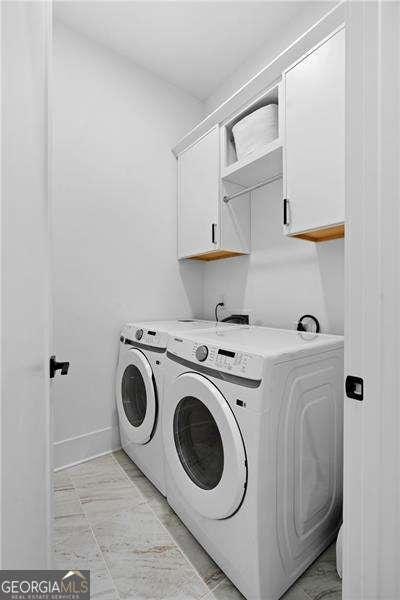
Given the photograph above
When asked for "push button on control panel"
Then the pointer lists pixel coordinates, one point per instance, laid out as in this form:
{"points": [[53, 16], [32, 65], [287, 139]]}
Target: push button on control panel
{"points": [[238, 358]]}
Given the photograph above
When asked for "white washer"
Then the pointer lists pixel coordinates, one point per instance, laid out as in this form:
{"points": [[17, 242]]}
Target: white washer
{"points": [[139, 388], [252, 424]]}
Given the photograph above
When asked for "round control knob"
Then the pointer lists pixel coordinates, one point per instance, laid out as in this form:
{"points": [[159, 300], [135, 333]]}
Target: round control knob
{"points": [[201, 353], [139, 334]]}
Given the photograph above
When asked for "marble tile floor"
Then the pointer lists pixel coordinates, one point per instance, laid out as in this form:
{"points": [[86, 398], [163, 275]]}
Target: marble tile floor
{"points": [[110, 519]]}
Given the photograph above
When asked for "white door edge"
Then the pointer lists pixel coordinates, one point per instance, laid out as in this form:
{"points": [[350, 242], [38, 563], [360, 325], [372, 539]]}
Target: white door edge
{"points": [[26, 494], [371, 551]]}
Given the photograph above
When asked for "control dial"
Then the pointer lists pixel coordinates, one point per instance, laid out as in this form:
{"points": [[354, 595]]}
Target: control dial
{"points": [[139, 334], [201, 353]]}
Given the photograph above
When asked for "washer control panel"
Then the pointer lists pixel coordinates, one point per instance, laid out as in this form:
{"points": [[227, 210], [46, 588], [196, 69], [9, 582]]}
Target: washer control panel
{"points": [[235, 362]]}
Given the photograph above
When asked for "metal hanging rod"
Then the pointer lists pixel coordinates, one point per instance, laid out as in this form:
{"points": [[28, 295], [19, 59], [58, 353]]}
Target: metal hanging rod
{"points": [[253, 187]]}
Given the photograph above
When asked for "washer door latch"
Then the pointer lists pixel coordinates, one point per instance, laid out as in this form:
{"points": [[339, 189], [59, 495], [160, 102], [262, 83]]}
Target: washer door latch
{"points": [[354, 387]]}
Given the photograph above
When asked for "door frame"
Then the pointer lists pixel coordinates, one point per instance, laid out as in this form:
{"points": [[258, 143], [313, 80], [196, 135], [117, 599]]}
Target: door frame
{"points": [[371, 427]]}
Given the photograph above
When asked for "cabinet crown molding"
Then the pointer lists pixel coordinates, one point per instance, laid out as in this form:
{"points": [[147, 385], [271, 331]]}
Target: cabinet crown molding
{"points": [[268, 76]]}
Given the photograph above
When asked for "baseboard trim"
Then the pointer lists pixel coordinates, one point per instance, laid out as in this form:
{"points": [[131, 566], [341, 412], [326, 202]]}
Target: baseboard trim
{"points": [[81, 448]]}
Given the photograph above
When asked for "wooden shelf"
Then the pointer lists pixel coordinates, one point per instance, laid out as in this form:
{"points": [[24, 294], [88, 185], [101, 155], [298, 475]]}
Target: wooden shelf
{"points": [[216, 255], [257, 167], [322, 235]]}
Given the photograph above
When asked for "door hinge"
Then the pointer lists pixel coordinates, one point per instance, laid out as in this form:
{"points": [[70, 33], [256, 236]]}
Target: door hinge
{"points": [[58, 366], [354, 387]]}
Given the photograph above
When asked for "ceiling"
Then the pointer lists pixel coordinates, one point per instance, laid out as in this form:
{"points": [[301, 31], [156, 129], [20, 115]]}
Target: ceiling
{"points": [[194, 45]]}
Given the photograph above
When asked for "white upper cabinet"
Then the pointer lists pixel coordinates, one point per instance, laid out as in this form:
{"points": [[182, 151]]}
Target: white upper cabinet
{"points": [[208, 228], [301, 138], [198, 193], [314, 142]]}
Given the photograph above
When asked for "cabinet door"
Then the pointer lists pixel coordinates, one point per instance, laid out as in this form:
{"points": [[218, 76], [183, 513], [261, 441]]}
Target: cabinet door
{"points": [[315, 138], [198, 196]]}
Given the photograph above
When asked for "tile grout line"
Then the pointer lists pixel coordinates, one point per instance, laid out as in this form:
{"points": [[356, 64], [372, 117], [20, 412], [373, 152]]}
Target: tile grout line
{"points": [[95, 539], [55, 544], [217, 586], [68, 536], [164, 527], [306, 593]]}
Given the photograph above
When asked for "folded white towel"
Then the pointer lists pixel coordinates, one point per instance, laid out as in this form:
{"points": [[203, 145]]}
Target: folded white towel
{"points": [[254, 132]]}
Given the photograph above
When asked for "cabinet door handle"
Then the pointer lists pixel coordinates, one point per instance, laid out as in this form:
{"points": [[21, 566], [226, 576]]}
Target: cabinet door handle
{"points": [[213, 228], [285, 211]]}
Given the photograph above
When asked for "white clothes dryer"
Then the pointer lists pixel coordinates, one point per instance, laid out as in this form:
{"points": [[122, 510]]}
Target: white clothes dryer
{"points": [[252, 425], [139, 389]]}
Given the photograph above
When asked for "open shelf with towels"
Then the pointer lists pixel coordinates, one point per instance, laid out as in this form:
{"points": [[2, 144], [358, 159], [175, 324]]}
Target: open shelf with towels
{"points": [[265, 159], [257, 167]]}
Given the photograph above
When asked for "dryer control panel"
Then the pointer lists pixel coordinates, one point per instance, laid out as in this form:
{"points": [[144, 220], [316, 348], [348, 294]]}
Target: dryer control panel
{"points": [[143, 336], [235, 362]]}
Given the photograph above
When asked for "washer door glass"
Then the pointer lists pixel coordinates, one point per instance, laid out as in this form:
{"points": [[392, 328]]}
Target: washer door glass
{"points": [[134, 397], [198, 443], [203, 446]]}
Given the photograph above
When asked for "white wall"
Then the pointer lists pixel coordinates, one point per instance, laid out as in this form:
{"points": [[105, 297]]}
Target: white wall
{"points": [[283, 277], [114, 226], [275, 44]]}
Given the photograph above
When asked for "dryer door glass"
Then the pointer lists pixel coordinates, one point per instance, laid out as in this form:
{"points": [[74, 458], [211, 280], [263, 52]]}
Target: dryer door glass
{"points": [[134, 398], [198, 443]]}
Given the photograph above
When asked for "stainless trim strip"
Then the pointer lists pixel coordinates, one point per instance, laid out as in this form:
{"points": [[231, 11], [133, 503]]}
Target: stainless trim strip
{"points": [[144, 346], [236, 379]]}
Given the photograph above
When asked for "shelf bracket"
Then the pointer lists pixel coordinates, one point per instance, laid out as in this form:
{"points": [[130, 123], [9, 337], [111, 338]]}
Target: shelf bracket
{"points": [[252, 188]]}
